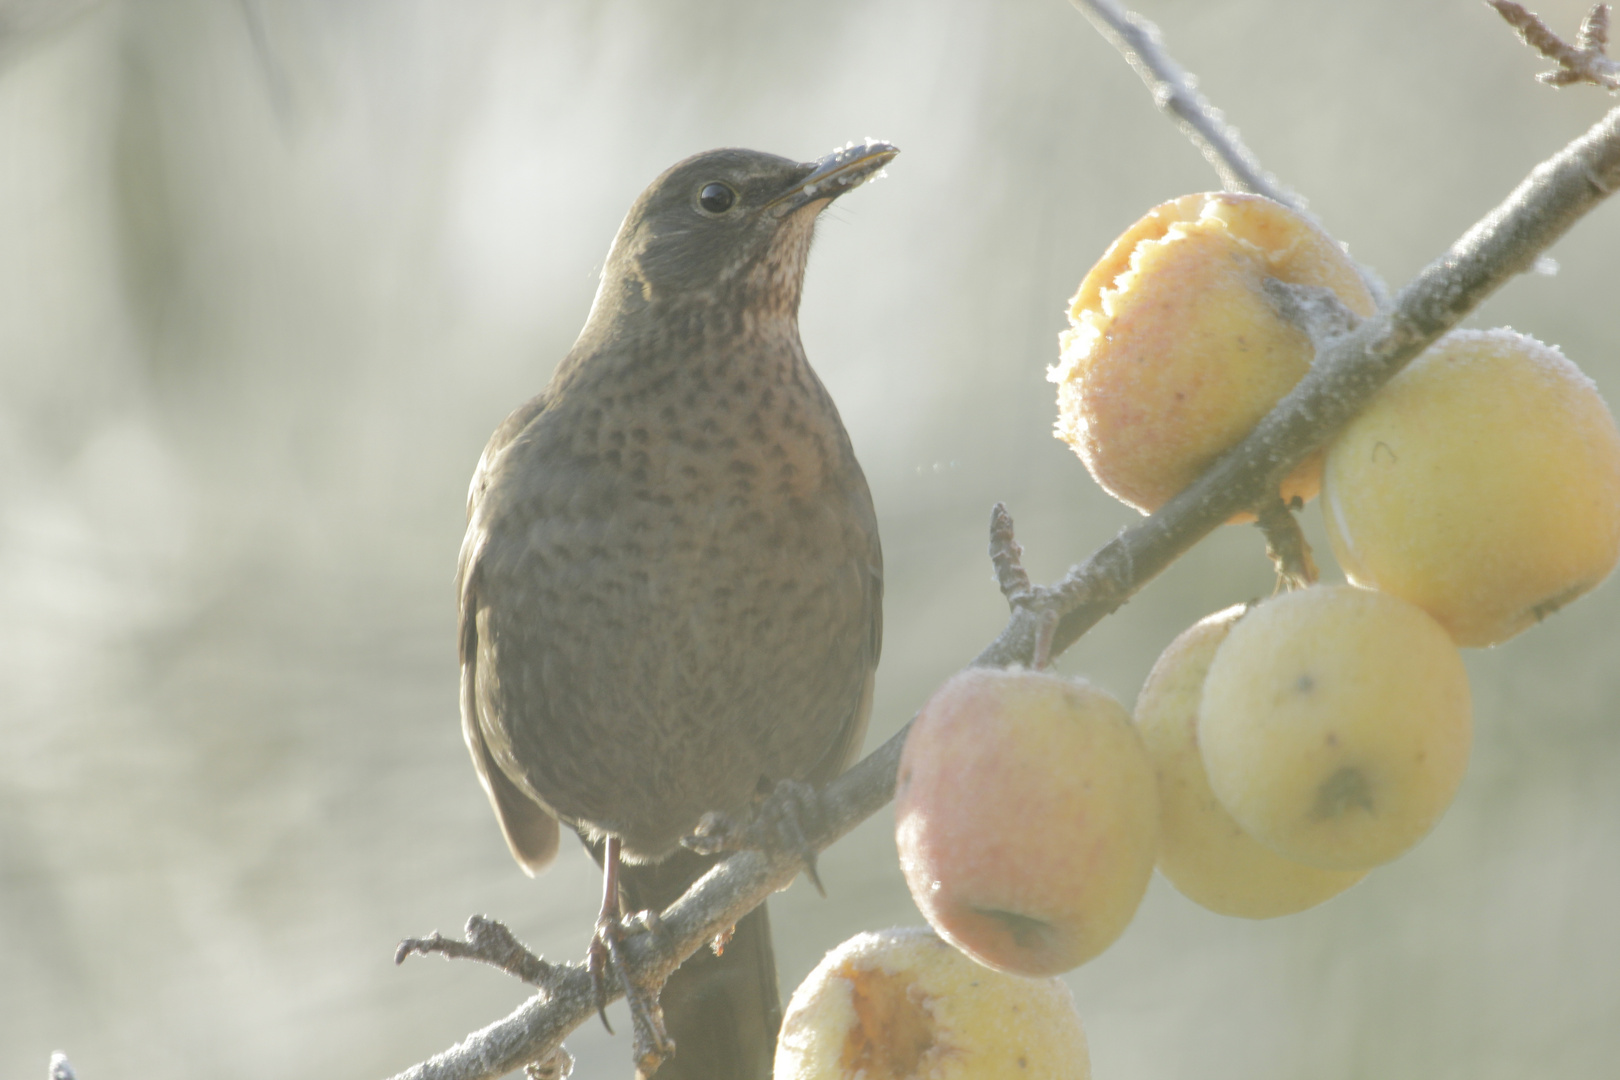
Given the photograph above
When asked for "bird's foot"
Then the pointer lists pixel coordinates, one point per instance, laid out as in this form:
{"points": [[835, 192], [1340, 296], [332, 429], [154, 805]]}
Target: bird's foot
{"points": [[652, 1041], [781, 822], [488, 942]]}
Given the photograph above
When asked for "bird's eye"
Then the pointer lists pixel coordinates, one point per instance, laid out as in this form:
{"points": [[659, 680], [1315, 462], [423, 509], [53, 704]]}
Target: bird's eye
{"points": [[716, 198]]}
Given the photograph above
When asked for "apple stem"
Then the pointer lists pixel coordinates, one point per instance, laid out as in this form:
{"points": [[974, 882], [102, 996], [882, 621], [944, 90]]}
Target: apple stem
{"points": [[1315, 310], [1286, 545]]}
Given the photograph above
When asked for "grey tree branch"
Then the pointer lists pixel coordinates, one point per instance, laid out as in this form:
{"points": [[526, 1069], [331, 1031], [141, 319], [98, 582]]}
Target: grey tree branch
{"points": [[1347, 371]]}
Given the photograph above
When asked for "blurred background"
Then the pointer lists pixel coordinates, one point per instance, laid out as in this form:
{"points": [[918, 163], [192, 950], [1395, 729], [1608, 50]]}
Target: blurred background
{"points": [[271, 272]]}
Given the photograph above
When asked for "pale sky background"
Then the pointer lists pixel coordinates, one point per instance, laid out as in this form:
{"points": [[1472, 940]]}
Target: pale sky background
{"points": [[271, 272]]}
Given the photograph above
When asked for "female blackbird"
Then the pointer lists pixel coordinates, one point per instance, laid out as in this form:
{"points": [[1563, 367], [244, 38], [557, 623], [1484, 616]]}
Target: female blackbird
{"points": [[671, 585]]}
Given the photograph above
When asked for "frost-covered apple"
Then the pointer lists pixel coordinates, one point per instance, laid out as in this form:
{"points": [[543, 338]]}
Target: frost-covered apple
{"points": [[1026, 818], [1482, 484], [1335, 725], [1202, 850]]}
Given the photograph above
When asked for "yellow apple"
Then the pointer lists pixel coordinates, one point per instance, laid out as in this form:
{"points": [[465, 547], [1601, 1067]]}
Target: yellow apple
{"points": [[1335, 725], [1026, 818], [1203, 852], [1175, 352], [1482, 484], [904, 1005]]}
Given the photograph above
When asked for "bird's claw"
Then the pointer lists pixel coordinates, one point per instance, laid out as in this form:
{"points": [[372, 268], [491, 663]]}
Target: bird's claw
{"points": [[596, 964], [652, 1041], [782, 822]]}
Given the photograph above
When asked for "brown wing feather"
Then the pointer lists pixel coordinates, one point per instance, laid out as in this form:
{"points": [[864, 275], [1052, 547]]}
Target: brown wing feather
{"points": [[531, 832]]}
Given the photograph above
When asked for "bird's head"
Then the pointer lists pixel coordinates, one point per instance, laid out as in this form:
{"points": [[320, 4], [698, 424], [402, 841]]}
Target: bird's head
{"points": [[726, 222]]}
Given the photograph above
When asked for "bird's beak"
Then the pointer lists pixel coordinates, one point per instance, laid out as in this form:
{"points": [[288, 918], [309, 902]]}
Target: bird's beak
{"points": [[840, 171]]}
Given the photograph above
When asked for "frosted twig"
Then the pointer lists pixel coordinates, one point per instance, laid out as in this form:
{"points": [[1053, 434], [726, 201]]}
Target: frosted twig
{"points": [[1585, 61], [1004, 557], [488, 942], [1139, 42]]}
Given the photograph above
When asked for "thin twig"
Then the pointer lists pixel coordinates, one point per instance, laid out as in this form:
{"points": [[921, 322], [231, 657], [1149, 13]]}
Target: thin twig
{"points": [[1349, 370], [1585, 61], [1594, 31], [1138, 40], [486, 941], [1004, 557]]}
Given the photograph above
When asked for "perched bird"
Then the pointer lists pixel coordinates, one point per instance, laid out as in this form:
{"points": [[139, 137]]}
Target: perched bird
{"points": [[671, 585]]}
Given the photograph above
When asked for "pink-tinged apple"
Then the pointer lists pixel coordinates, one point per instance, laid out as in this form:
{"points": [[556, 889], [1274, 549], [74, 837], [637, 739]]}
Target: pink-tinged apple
{"points": [[1027, 818]]}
